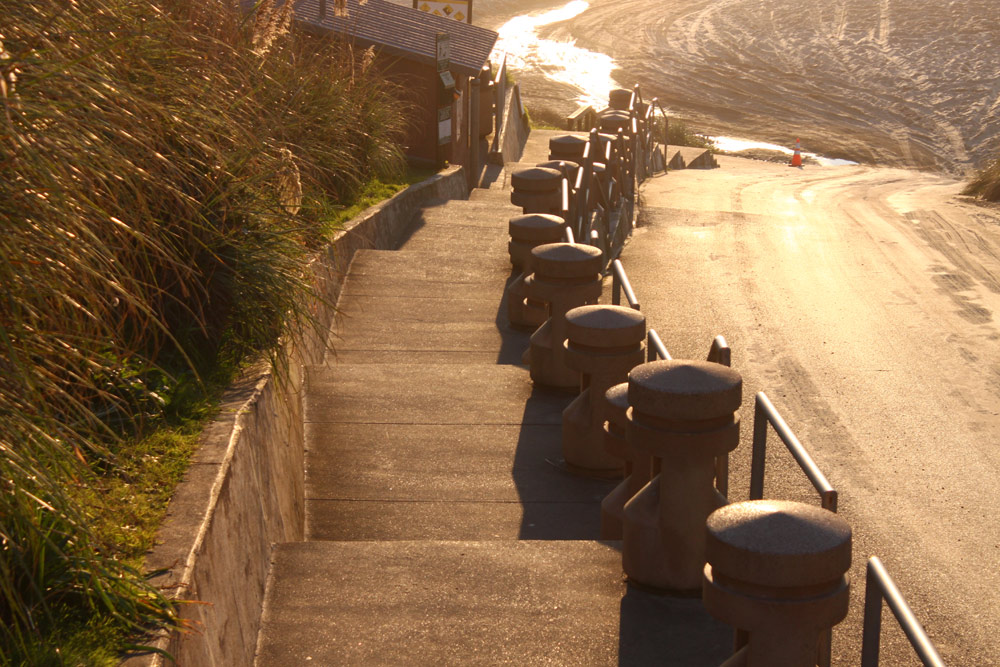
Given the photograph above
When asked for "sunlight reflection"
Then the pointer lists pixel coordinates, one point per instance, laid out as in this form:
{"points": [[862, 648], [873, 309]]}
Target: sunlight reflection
{"points": [[562, 61]]}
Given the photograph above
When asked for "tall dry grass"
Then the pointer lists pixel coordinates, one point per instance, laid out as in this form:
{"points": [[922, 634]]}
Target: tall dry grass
{"points": [[985, 184], [164, 168]]}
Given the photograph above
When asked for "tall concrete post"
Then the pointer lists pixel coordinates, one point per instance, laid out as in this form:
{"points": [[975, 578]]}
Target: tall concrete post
{"points": [[777, 569], [603, 343], [638, 468], [527, 232], [683, 413], [565, 275], [537, 190]]}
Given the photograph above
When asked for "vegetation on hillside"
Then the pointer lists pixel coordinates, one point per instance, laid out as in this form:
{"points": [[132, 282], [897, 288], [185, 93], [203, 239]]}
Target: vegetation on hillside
{"points": [[165, 167], [986, 183], [679, 134]]}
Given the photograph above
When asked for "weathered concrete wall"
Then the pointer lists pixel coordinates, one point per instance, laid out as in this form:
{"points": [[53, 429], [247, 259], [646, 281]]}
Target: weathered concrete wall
{"points": [[244, 491], [514, 130]]}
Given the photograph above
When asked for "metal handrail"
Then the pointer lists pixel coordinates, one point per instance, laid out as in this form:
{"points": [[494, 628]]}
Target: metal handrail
{"points": [[655, 349], [879, 586], [720, 353], [620, 283], [765, 413]]}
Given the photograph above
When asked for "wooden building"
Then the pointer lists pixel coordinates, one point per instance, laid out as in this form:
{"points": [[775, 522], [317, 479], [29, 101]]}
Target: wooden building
{"points": [[405, 42]]}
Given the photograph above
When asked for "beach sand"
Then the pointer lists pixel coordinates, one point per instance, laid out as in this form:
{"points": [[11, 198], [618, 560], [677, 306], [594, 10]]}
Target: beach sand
{"points": [[912, 83]]}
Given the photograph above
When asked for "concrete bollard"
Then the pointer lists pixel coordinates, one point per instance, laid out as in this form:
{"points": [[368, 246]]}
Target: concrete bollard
{"points": [[777, 569], [603, 343], [638, 466], [567, 147], [537, 190], [682, 412], [567, 168], [526, 233], [612, 121], [565, 275], [619, 99]]}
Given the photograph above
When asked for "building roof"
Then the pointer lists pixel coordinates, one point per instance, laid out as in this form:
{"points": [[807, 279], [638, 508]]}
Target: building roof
{"points": [[403, 31]]}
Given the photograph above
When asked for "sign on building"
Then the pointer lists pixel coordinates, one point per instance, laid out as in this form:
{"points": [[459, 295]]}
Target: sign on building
{"points": [[460, 10]]}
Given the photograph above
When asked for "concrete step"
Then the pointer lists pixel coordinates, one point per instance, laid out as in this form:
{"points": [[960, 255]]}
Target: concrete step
{"points": [[692, 157], [443, 328], [477, 212], [474, 603], [444, 273], [494, 195], [393, 448]]}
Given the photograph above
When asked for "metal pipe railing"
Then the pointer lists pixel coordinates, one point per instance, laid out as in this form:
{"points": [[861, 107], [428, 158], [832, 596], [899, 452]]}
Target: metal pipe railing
{"points": [[655, 349], [765, 413], [620, 283], [879, 586]]}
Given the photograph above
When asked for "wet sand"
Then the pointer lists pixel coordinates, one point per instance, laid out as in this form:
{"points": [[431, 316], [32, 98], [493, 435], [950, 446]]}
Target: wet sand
{"points": [[913, 83]]}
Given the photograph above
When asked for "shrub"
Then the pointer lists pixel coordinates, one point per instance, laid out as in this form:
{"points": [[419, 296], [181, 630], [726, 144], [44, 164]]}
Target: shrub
{"points": [[160, 168], [986, 183]]}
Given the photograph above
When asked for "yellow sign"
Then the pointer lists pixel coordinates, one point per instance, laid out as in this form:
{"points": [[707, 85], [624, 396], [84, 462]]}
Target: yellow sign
{"points": [[453, 9]]}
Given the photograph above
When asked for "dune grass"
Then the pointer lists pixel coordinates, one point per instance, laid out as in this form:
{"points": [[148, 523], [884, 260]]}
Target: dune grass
{"points": [[985, 184], [165, 168]]}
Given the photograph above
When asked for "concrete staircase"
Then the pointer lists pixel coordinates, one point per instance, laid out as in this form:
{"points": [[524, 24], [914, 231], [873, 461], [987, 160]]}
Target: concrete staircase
{"points": [[442, 525], [689, 157]]}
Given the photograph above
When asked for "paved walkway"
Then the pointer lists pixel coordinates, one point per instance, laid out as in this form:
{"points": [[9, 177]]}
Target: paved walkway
{"points": [[442, 524]]}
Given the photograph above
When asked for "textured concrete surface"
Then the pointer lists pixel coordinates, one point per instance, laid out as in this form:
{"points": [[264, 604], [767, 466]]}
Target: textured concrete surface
{"points": [[443, 525], [473, 603], [244, 490]]}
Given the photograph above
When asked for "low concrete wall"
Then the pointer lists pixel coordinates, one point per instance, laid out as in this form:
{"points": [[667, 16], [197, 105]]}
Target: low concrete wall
{"points": [[244, 491], [513, 132]]}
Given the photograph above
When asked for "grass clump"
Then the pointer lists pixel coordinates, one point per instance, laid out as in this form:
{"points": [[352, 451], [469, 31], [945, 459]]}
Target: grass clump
{"points": [[165, 167], [986, 183], [679, 134]]}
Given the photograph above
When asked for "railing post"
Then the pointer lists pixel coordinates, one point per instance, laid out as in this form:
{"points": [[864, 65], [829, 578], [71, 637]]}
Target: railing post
{"points": [[473, 125], [871, 633], [759, 449]]}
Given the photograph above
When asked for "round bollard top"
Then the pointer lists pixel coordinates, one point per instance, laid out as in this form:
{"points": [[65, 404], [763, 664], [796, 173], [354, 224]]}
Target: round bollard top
{"points": [[567, 260], [567, 168], [778, 543], [619, 98], [536, 179], [684, 390], [617, 404], [605, 326], [568, 145], [536, 227]]}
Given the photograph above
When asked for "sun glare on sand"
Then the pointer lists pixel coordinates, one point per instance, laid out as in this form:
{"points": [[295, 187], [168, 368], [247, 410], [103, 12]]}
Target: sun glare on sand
{"points": [[588, 72]]}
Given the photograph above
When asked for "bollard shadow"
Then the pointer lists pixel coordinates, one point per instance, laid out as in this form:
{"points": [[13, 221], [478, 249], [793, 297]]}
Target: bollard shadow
{"points": [[556, 504], [670, 631], [513, 342]]}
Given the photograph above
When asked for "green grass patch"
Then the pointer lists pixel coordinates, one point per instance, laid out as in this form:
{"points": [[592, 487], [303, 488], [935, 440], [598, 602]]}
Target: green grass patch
{"points": [[332, 218]]}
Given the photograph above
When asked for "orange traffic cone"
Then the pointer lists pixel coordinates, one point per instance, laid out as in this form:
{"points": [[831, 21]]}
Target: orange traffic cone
{"points": [[797, 157]]}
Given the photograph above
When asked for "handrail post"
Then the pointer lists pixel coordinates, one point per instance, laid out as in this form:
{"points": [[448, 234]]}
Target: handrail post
{"points": [[759, 449], [879, 586], [871, 632]]}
